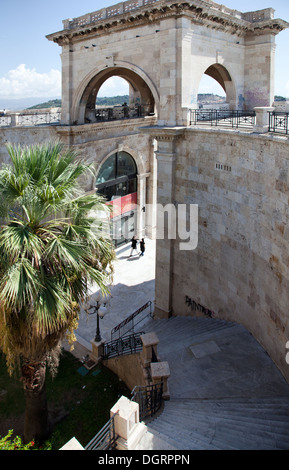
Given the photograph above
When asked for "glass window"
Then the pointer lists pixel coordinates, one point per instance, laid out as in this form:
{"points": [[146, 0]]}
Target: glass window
{"points": [[107, 171], [125, 164]]}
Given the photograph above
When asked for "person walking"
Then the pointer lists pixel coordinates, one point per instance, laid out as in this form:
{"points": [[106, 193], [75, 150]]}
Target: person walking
{"points": [[142, 247], [133, 245]]}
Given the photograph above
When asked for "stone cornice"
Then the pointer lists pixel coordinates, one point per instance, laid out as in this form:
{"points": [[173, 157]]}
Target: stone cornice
{"points": [[163, 133], [199, 11]]}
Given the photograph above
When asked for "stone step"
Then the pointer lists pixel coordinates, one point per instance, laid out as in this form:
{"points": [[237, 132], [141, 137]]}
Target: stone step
{"points": [[189, 332], [204, 423], [252, 418], [154, 440], [182, 438], [220, 436]]}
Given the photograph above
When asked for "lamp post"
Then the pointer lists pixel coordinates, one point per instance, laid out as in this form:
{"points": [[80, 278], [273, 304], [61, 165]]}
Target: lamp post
{"points": [[100, 309]]}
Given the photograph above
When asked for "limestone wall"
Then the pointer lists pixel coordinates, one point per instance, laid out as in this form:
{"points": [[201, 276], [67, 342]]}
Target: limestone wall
{"points": [[24, 136], [240, 269]]}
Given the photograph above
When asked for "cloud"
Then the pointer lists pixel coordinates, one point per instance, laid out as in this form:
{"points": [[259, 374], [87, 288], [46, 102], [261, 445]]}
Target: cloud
{"points": [[23, 82], [114, 86]]}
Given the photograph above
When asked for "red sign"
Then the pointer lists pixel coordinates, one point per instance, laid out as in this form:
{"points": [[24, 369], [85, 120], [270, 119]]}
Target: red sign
{"points": [[122, 205]]}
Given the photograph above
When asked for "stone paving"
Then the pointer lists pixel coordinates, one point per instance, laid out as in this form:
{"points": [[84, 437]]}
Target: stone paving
{"points": [[133, 286]]}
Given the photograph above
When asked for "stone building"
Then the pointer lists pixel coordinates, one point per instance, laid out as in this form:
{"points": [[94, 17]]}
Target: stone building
{"points": [[150, 154]]}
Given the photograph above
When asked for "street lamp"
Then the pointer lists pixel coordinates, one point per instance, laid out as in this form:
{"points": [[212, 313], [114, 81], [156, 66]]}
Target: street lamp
{"points": [[100, 311]]}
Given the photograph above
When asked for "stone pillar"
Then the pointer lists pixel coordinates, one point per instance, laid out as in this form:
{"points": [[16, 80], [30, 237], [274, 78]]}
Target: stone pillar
{"points": [[67, 82], [14, 119], [168, 72], [127, 425], [262, 119], [160, 372], [150, 342], [141, 215], [259, 70], [97, 351], [165, 236]]}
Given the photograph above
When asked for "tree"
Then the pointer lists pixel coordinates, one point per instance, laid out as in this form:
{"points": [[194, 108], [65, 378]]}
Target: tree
{"points": [[52, 247]]}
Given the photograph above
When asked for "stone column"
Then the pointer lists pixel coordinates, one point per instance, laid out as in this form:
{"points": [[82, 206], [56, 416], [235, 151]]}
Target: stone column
{"points": [[259, 70], [141, 215], [166, 158], [168, 72], [14, 119], [67, 81], [262, 119]]}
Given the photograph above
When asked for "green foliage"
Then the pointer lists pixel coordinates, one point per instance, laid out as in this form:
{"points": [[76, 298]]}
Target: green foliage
{"points": [[48, 104], [84, 401], [112, 100], [9, 443], [52, 246]]}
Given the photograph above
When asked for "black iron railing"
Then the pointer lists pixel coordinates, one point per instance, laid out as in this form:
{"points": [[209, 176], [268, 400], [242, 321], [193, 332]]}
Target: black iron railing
{"points": [[130, 322], [279, 122], [224, 118], [105, 439], [131, 344], [149, 399], [115, 113]]}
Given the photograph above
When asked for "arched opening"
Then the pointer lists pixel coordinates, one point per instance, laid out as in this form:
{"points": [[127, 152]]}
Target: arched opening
{"points": [[140, 101], [216, 89], [117, 182]]}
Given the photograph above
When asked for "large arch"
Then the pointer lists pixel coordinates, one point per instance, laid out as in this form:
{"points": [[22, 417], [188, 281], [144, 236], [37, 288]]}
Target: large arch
{"points": [[141, 91], [221, 74]]}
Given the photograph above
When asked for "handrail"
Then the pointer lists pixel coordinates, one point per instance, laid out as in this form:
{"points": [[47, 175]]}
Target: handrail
{"points": [[22, 119], [129, 323], [279, 122], [106, 438], [227, 118], [123, 346], [149, 399]]}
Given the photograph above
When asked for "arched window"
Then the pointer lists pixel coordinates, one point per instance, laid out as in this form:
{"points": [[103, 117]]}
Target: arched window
{"points": [[117, 176], [117, 182]]}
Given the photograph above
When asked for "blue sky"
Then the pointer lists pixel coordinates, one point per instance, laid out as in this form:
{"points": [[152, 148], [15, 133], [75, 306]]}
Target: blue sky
{"points": [[30, 65]]}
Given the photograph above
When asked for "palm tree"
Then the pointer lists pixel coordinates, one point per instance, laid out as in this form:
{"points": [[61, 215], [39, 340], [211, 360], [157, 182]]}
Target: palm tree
{"points": [[52, 246]]}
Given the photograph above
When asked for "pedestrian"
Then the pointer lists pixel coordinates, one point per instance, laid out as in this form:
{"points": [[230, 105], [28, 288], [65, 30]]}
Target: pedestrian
{"points": [[142, 247], [133, 245]]}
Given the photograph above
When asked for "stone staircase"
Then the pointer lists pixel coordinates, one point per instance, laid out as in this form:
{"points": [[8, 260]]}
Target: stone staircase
{"points": [[226, 393]]}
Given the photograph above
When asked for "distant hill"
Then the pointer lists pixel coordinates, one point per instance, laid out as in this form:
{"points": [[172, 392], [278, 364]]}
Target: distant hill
{"points": [[112, 100], [48, 104], [14, 105], [105, 101]]}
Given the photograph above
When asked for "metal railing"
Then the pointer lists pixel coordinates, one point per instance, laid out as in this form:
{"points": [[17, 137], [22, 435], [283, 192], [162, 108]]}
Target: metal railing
{"points": [[149, 399], [279, 122], [105, 439], [223, 118], [114, 113], [23, 119], [130, 322], [131, 344]]}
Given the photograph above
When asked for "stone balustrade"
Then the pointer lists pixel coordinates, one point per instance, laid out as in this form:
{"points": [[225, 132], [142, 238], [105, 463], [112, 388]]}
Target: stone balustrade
{"points": [[131, 5], [105, 13], [29, 118]]}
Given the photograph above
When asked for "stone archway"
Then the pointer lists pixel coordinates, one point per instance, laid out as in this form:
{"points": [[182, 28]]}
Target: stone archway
{"points": [[140, 93], [219, 73]]}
